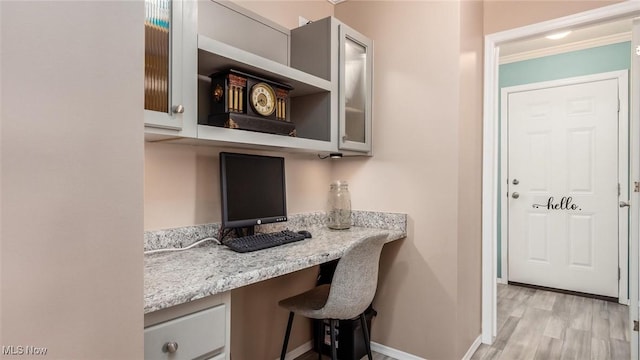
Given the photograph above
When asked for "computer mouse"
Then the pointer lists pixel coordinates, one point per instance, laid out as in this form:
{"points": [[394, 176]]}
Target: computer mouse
{"points": [[306, 234]]}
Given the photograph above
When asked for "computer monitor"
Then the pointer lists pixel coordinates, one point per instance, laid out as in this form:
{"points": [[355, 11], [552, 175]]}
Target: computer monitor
{"points": [[253, 190]]}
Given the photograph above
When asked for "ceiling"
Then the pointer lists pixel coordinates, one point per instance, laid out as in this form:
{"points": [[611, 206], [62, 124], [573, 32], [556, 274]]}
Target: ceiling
{"points": [[583, 34], [608, 30]]}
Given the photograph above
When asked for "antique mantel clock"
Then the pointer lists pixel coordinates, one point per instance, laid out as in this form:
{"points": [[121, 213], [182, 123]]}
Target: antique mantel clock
{"points": [[243, 101]]}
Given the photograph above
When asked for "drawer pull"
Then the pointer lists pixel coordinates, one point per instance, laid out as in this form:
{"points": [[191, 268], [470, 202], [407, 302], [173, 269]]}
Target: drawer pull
{"points": [[170, 347]]}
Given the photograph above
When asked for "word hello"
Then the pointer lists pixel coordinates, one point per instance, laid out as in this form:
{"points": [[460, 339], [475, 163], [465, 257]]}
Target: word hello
{"points": [[566, 203]]}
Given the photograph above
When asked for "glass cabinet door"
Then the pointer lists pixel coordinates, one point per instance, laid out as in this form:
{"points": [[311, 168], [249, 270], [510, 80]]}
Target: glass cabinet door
{"points": [[355, 90], [162, 82]]}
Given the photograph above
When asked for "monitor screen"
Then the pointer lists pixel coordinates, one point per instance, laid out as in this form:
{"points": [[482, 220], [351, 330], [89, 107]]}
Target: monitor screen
{"points": [[253, 190]]}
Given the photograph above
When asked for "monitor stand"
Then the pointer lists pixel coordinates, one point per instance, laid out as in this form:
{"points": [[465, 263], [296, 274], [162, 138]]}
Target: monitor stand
{"points": [[244, 231]]}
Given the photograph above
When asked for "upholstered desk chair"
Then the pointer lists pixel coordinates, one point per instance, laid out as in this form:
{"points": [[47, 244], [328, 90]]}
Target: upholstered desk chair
{"points": [[349, 294]]}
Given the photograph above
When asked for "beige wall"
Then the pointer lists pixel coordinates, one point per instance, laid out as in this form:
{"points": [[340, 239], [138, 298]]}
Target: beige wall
{"points": [[427, 138], [504, 15], [182, 184], [71, 151], [470, 174], [286, 13]]}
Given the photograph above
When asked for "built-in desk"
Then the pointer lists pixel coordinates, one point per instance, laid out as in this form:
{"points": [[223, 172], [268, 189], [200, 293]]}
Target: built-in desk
{"points": [[178, 277], [175, 279]]}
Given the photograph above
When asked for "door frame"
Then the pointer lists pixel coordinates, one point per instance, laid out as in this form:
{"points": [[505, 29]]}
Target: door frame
{"points": [[490, 160], [623, 164]]}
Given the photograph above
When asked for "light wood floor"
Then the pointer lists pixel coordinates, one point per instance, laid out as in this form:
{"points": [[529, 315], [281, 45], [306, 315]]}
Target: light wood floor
{"points": [[538, 324], [544, 325]]}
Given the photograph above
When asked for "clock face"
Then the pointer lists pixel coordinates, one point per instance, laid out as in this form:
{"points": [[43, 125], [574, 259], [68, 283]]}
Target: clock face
{"points": [[263, 99]]}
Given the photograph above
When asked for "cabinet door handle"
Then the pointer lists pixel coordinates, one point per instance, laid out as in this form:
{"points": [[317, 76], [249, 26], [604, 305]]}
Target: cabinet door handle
{"points": [[178, 109], [170, 347]]}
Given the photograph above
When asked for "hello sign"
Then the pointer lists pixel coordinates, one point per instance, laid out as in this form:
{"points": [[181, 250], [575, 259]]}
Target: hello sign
{"points": [[566, 203]]}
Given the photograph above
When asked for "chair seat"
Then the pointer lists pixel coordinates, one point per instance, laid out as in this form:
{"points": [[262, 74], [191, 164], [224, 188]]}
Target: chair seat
{"points": [[308, 303]]}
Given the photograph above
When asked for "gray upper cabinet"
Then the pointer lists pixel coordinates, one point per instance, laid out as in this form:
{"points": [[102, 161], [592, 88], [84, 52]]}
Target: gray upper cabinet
{"points": [[326, 64], [230, 37], [332, 50], [162, 80], [233, 25], [356, 75], [167, 101]]}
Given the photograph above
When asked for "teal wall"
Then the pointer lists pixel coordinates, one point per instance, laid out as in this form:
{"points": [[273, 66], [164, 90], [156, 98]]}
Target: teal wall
{"points": [[576, 63]]}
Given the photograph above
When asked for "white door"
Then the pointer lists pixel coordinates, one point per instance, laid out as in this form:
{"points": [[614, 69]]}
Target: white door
{"points": [[563, 187], [634, 211]]}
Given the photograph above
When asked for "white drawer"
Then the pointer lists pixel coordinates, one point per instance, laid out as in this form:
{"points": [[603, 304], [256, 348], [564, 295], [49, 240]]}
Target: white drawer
{"points": [[218, 357], [195, 334]]}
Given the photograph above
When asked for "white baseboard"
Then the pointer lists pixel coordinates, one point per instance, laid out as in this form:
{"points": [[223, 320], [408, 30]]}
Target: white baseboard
{"points": [[624, 301], [502, 281], [298, 351], [401, 355], [396, 354], [382, 349], [476, 344]]}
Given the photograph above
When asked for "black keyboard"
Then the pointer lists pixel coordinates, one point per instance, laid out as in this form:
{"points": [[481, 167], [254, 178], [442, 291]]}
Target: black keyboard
{"points": [[262, 241]]}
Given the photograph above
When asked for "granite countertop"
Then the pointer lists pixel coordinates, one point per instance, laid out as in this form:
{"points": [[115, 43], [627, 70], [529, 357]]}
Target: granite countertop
{"points": [[174, 278]]}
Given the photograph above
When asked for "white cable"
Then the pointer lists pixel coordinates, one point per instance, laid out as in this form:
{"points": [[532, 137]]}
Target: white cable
{"points": [[184, 248]]}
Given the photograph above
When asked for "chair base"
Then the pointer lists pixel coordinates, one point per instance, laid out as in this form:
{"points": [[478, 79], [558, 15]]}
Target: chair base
{"points": [[333, 336], [351, 342]]}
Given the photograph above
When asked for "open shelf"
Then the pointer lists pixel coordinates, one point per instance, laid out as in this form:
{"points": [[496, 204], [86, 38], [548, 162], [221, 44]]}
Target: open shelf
{"points": [[215, 56], [309, 108], [252, 139]]}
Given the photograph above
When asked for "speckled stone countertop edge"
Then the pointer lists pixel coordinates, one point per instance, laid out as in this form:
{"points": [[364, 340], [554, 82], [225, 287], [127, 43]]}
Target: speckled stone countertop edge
{"points": [[184, 236], [174, 279], [240, 280]]}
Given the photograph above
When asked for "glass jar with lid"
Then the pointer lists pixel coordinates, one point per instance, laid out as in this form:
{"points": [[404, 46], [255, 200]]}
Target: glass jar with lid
{"points": [[339, 206]]}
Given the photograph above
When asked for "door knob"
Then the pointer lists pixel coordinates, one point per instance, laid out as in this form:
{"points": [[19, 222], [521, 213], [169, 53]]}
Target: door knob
{"points": [[624, 204], [515, 195], [516, 182]]}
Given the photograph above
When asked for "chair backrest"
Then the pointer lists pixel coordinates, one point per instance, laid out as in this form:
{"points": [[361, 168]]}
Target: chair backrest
{"points": [[355, 279]]}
